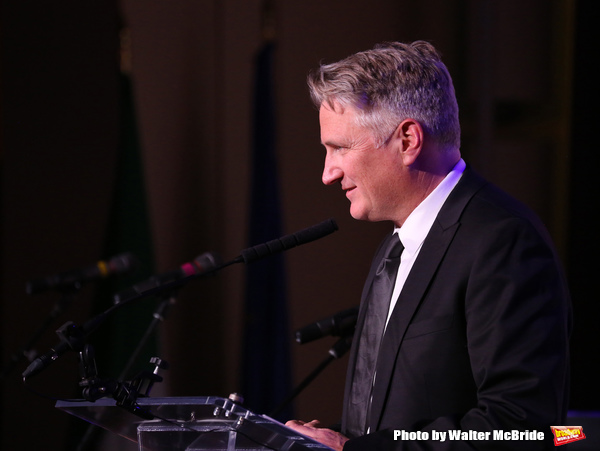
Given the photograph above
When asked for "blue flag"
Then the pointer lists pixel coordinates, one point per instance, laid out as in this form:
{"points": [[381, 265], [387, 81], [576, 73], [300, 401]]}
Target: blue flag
{"points": [[266, 374]]}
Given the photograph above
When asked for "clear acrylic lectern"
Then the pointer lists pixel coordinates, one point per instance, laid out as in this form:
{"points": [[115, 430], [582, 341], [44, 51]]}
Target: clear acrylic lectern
{"points": [[191, 424]]}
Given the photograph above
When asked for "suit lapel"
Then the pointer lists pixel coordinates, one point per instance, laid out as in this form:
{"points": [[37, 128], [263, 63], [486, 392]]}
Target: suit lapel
{"points": [[434, 247]]}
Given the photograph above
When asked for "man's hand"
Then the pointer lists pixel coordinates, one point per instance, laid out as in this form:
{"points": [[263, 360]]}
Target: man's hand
{"points": [[327, 437]]}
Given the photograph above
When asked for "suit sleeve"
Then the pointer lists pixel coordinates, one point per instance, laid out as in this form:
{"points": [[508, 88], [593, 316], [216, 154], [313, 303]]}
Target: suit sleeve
{"points": [[517, 315]]}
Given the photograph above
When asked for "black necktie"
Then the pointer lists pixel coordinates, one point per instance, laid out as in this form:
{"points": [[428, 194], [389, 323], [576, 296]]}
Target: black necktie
{"points": [[378, 304]]}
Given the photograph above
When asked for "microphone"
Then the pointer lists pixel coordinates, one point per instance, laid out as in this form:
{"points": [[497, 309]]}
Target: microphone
{"points": [[338, 325], [200, 265], [289, 241], [120, 264]]}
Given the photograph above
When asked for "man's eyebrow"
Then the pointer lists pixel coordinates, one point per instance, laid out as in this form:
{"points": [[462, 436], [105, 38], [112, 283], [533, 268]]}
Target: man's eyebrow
{"points": [[331, 144]]}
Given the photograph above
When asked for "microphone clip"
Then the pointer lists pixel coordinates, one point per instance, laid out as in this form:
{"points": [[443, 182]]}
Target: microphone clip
{"points": [[125, 393], [72, 335]]}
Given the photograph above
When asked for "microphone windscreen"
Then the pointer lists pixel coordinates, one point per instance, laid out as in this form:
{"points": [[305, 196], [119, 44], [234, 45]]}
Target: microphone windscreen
{"points": [[289, 241]]}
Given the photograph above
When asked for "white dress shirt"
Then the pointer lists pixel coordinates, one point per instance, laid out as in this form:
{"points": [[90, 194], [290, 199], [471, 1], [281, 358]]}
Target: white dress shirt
{"points": [[416, 227]]}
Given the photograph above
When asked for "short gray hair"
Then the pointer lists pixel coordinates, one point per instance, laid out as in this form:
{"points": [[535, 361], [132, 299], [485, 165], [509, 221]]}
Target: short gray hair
{"points": [[392, 82]]}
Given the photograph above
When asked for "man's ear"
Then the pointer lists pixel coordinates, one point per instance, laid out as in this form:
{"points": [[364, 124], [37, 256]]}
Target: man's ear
{"points": [[410, 136]]}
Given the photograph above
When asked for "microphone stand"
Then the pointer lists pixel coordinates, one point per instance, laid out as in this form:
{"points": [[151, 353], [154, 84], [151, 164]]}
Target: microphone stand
{"points": [[65, 301], [167, 300], [337, 350], [92, 324]]}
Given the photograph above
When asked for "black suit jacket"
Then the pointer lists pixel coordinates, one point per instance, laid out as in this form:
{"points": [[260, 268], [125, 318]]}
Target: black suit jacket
{"points": [[478, 339]]}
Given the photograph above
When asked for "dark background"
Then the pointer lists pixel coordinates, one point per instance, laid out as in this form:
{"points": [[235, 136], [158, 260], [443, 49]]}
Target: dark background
{"points": [[523, 75]]}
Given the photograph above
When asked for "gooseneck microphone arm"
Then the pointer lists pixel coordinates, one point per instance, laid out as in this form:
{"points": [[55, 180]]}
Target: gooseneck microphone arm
{"points": [[246, 256]]}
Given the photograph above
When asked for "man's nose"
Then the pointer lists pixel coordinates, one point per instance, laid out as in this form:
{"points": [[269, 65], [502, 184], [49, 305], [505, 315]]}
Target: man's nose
{"points": [[331, 171]]}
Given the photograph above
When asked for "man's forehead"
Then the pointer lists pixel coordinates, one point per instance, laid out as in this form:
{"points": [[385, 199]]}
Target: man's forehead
{"points": [[339, 126], [332, 123], [337, 115]]}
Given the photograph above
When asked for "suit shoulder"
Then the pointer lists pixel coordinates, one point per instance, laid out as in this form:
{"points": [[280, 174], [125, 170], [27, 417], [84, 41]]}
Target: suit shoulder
{"points": [[479, 203], [494, 209]]}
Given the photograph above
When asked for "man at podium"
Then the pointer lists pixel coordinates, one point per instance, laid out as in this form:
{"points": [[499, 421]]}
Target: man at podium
{"points": [[462, 335]]}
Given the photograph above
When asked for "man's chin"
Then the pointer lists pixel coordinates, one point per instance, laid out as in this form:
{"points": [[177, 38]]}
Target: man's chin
{"points": [[359, 214], [367, 215]]}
